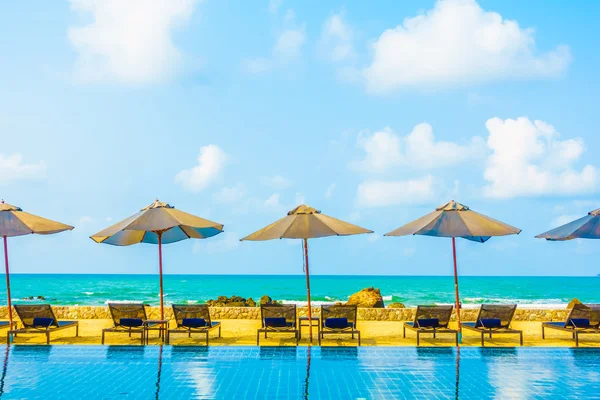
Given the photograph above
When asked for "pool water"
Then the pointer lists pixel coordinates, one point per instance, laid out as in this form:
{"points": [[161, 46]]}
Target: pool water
{"points": [[153, 372]]}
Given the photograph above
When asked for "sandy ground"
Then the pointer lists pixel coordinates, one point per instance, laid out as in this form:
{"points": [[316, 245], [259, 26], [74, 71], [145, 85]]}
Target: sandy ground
{"points": [[238, 332]]}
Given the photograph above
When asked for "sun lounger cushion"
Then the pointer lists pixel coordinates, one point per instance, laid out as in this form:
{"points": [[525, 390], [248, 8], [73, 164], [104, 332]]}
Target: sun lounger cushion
{"points": [[131, 322], [275, 322], [45, 322], [193, 322], [428, 322], [489, 323], [579, 322], [336, 323]]}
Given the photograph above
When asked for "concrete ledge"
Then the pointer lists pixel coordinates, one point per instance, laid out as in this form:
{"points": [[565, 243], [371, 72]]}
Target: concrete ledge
{"points": [[364, 314]]}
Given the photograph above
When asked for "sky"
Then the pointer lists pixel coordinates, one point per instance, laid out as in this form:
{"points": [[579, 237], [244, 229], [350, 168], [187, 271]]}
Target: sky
{"points": [[375, 113]]}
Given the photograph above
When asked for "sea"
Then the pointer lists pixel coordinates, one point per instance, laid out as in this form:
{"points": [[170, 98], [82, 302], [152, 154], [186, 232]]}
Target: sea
{"points": [[88, 289]]}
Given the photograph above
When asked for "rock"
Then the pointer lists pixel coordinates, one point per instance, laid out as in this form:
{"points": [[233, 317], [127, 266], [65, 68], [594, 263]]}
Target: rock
{"points": [[266, 300], [396, 305], [233, 301], [367, 298], [572, 303]]}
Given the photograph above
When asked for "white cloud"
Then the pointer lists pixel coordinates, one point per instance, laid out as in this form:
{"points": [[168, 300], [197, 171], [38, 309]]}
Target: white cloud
{"points": [[273, 203], [375, 193], [289, 43], [85, 220], [563, 219], [128, 41], [230, 194], [277, 182], [336, 39], [329, 191], [419, 150], [211, 162], [287, 48], [222, 243], [458, 42], [12, 169], [528, 159], [274, 6]]}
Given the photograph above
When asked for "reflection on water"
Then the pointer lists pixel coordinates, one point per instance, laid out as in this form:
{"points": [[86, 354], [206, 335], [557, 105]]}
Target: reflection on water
{"points": [[95, 372]]}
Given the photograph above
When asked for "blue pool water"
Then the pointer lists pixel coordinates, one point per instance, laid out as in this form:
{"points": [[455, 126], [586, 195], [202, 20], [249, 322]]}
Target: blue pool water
{"points": [[151, 372]]}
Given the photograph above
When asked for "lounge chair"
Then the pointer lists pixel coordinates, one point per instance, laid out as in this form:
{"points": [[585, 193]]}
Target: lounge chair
{"points": [[277, 319], [39, 319], [582, 319], [128, 318], [193, 319], [336, 320], [494, 319], [431, 319]]}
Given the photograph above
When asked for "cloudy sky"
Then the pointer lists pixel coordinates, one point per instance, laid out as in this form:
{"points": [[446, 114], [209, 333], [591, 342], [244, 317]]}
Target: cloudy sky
{"points": [[238, 111]]}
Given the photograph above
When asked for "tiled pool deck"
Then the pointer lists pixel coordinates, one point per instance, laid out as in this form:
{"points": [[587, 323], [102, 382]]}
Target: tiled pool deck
{"points": [[225, 372]]}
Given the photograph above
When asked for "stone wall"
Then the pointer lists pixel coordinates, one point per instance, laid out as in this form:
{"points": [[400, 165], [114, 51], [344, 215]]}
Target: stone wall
{"points": [[364, 314]]}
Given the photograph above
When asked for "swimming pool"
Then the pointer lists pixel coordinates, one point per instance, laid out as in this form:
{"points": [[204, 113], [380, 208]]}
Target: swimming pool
{"points": [[94, 372]]}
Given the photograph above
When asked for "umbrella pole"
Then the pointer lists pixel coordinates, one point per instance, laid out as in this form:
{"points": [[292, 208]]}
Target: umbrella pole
{"points": [[162, 311], [310, 335], [456, 290], [10, 318]]}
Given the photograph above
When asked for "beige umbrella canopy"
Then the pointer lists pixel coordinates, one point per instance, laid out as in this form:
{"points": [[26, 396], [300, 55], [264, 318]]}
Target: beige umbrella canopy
{"points": [[16, 222], [304, 222], [159, 223], [456, 220]]}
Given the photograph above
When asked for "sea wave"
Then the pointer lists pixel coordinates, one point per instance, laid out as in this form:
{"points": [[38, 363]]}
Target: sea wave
{"points": [[88, 293]]}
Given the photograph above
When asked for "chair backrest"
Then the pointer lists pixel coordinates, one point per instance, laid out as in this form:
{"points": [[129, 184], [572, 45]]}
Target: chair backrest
{"points": [[119, 311], [579, 311], [441, 313], [187, 311], [28, 312], [287, 311], [339, 311], [594, 314], [503, 312]]}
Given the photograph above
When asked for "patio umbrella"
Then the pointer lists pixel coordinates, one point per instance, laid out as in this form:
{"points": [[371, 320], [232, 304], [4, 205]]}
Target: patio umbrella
{"points": [[16, 222], [587, 227], [304, 222], [159, 223], [456, 220]]}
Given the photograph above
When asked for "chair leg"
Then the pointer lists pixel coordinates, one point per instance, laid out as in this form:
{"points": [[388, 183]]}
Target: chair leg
{"points": [[258, 338], [576, 338], [102, 337], [168, 338], [359, 338], [434, 334], [219, 330], [521, 335], [543, 333], [77, 330], [482, 339], [404, 332], [456, 338], [418, 338], [207, 338], [320, 337], [297, 337], [8, 338], [47, 337]]}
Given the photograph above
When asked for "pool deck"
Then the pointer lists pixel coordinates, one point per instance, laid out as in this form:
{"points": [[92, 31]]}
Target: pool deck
{"points": [[237, 332]]}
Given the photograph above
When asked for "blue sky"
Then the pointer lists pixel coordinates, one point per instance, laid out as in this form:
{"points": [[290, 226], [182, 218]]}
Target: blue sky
{"points": [[238, 111]]}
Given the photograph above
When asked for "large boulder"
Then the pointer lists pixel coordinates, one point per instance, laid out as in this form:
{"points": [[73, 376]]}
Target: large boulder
{"points": [[367, 298], [572, 303], [266, 300]]}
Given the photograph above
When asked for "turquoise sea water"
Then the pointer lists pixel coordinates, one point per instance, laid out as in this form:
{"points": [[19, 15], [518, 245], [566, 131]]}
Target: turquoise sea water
{"points": [[410, 290]]}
